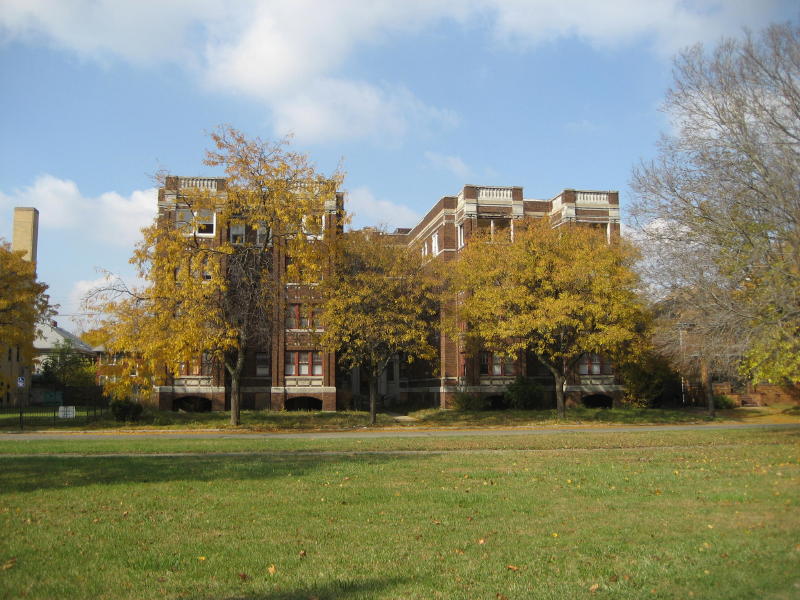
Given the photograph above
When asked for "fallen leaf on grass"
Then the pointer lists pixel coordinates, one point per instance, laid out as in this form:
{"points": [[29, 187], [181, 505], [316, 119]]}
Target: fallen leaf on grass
{"points": [[302, 553], [272, 570], [500, 596], [201, 558], [594, 587], [244, 576], [481, 541], [9, 564], [512, 568]]}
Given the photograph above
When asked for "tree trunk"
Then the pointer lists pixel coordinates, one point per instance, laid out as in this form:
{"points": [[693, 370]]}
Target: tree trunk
{"points": [[373, 398], [559, 379], [560, 406], [236, 373], [705, 375]]}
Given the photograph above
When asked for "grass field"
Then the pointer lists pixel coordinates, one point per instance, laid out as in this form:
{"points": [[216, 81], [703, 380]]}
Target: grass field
{"points": [[668, 514], [265, 420]]}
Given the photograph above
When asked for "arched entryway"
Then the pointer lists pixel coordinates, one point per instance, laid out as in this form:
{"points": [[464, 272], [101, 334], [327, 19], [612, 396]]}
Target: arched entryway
{"points": [[496, 402], [303, 403], [598, 401], [192, 404]]}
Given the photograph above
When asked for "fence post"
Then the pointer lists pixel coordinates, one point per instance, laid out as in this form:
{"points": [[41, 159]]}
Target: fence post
{"points": [[20, 418]]}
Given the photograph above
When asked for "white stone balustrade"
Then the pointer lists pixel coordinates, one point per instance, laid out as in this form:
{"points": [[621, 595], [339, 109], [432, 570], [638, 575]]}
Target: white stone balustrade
{"points": [[203, 183]]}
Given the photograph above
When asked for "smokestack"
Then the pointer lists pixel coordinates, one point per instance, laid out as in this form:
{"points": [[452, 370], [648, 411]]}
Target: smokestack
{"points": [[26, 231]]}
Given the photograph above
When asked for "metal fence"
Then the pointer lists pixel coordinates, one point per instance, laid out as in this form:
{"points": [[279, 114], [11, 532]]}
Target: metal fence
{"points": [[31, 417]]}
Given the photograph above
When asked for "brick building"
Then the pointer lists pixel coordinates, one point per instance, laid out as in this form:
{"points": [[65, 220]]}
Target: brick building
{"points": [[291, 372], [15, 371]]}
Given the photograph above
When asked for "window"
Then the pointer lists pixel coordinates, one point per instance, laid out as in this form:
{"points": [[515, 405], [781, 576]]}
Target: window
{"points": [[303, 363], [290, 367], [461, 236], [262, 364], [425, 248], [199, 222], [299, 317], [496, 364], [205, 220], [305, 321], [205, 272], [435, 243], [485, 362], [292, 316], [263, 235], [316, 363], [594, 364], [236, 233], [206, 364]]}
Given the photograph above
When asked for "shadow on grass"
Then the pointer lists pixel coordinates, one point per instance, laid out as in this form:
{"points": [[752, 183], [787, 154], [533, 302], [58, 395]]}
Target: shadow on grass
{"points": [[254, 420], [622, 416], [336, 590], [27, 474]]}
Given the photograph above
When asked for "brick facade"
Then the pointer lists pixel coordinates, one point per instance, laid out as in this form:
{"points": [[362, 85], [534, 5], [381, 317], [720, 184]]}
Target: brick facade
{"points": [[314, 382]]}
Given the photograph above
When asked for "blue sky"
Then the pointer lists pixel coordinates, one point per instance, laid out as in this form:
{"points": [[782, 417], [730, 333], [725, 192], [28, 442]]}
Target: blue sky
{"points": [[415, 98]]}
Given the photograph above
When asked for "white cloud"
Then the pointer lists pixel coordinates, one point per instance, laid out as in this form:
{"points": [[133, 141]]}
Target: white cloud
{"points": [[337, 109], [109, 218], [669, 24], [290, 56], [370, 211], [449, 163]]}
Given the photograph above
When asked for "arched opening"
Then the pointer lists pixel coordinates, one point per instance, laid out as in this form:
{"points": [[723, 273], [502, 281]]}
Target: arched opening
{"points": [[303, 403], [598, 401], [497, 402], [192, 404]]}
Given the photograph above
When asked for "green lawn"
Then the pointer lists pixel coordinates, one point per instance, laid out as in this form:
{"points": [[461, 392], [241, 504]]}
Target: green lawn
{"points": [[265, 420], [708, 514]]}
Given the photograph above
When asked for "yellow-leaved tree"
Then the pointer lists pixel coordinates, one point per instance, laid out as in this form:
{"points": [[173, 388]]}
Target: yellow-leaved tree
{"points": [[558, 293], [380, 299], [212, 296], [23, 304]]}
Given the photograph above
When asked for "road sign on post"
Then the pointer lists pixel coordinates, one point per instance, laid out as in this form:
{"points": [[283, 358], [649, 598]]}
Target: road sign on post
{"points": [[20, 382]]}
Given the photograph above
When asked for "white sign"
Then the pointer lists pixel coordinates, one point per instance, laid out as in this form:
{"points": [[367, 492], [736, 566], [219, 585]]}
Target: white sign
{"points": [[20, 382], [66, 412]]}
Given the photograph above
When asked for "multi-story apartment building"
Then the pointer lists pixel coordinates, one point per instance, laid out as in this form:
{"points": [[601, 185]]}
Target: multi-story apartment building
{"points": [[443, 232], [288, 372], [291, 372]]}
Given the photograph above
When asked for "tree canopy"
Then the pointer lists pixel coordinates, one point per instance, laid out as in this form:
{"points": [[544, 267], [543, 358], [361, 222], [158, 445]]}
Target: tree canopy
{"points": [[558, 293], [23, 302], [65, 366], [214, 294], [380, 299], [719, 207]]}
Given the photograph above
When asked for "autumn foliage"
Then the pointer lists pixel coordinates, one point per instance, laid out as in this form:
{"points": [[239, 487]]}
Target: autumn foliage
{"points": [[558, 293], [23, 303]]}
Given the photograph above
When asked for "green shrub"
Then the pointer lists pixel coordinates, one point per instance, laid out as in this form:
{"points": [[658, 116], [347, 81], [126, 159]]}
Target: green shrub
{"points": [[467, 401], [524, 394], [724, 402], [126, 410]]}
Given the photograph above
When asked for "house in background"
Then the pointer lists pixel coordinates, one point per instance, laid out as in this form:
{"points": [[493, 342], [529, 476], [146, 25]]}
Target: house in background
{"points": [[50, 337]]}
